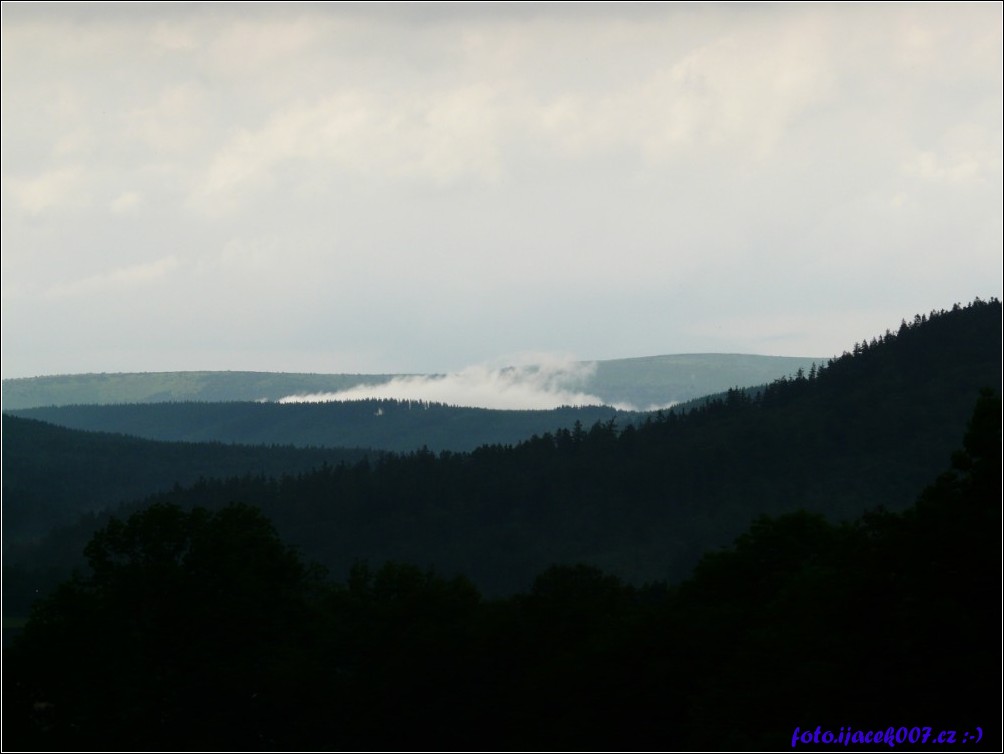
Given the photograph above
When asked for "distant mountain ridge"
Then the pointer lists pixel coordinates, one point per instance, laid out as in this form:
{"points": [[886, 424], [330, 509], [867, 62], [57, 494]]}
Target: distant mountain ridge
{"points": [[641, 382]]}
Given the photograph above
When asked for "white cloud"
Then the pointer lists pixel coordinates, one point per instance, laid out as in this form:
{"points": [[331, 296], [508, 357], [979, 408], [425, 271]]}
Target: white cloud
{"points": [[966, 154], [253, 46], [175, 122], [173, 37], [542, 386], [439, 136], [119, 279], [125, 202], [507, 91], [53, 189]]}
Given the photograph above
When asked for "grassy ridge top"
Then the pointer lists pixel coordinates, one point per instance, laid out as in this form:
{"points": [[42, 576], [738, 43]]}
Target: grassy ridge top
{"points": [[162, 387]]}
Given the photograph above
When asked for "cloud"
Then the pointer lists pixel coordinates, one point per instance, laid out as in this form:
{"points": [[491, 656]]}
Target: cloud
{"points": [[539, 386], [441, 136], [118, 279], [175, 123], [733, 92], [495, 97], [249, 47], [125, 202], [53, 188]]}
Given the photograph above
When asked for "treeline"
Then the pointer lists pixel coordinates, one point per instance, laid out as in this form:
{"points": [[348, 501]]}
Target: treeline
{"points": [[203, 629], [641, 501]]}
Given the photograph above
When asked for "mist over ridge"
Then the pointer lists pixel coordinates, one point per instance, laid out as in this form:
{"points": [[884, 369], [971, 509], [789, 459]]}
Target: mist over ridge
{"points": [[546, 385], [528, 382]]}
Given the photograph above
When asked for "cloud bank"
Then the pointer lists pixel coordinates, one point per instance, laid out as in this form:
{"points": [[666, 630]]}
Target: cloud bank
{"points": [[536, 386]]}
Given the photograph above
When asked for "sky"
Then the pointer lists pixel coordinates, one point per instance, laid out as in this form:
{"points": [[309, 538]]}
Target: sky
{"points": [[414, 188]]}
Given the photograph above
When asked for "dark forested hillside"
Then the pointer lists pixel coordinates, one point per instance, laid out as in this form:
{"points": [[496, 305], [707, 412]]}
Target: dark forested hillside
{"points": [[379, 424], [203, 630], [51, 475], [645, 501]]}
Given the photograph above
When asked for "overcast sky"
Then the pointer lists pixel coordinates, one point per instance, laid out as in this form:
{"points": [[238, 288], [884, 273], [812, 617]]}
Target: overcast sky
{"points": [[421, 188]]}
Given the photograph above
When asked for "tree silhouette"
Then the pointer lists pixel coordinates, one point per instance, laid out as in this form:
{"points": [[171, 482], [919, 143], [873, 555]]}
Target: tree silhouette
{"points": [[175, 638]]}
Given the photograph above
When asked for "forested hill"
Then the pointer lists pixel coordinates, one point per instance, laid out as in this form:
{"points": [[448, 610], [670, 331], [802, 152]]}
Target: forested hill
{"points": [[380, 424], [644, 502], [51, 475]]}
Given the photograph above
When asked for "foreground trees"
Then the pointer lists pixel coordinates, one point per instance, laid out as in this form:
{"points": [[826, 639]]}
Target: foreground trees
{"points": [[172, 635]]}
